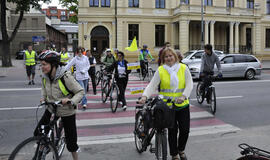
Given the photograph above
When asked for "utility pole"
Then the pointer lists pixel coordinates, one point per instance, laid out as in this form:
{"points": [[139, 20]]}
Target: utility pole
{"points": [[202, 26]]}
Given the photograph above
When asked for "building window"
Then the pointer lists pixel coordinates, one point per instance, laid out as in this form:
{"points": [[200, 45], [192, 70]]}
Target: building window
{"points": [[160, 35], [133, 3], [54, 17], [268, 7], [160, 3], [93, 3], [53, 11], [184, 1], [133, 31], [63, 18], [267, 38], [105, 3], [250, 4], [208, 3], [230, 3], [63, 13]]}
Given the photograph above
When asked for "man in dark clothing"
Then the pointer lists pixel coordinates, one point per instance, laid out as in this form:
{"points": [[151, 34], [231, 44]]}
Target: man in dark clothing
{"points": [[209, 59], [92, 70], [166, 44]]}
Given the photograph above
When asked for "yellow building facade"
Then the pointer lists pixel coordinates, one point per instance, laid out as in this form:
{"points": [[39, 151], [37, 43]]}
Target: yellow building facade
{"points": [[234, 26]]}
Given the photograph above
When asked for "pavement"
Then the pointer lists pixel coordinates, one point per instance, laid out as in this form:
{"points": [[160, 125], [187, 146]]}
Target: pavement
{"points": [[218, 146]]}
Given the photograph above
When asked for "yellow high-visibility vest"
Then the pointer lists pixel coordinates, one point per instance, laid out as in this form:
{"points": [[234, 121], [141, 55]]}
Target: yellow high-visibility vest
{"points": [[30, 58], [61, 86], [64, 57], [165, 87]]}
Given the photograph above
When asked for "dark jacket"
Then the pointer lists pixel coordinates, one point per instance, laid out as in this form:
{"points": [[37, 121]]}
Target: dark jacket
{"points": [[114, 66]]}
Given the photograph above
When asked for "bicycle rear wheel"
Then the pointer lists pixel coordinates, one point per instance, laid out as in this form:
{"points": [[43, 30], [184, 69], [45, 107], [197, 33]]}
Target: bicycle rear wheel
{"points": [[213, 102], [252, 157], [114, 98], [98, 77], [161, 146], [139, 132], [34, 148], [199, 94], [104, 92]]}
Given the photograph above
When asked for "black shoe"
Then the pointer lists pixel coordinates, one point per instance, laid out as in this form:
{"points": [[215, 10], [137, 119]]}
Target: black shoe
{"points": [[95, 93], [29, 83], [182, 156], [33, 83]]}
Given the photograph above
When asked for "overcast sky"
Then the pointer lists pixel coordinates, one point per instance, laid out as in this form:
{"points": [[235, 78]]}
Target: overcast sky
{"points": [[53, 3]]}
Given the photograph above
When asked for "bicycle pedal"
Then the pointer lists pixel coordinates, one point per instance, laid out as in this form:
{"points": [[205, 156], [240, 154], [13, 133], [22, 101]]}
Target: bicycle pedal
{"points": [[152, 150]]}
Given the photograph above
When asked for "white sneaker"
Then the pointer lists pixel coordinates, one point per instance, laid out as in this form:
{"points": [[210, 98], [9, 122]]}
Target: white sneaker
{"points": [[124, 108], [84, 107]]}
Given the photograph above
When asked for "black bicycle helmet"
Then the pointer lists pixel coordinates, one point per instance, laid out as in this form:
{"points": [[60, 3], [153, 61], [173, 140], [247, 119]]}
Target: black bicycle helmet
{"points": [[50, 57]]}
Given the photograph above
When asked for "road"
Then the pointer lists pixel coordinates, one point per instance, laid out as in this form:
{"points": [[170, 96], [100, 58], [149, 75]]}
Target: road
{"points": [[241, 106]]}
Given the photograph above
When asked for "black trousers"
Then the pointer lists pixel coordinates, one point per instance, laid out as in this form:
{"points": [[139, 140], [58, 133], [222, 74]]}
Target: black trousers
{"points": [[144, 67], [122, 85], [181, 125], [92, 75], [70, 129]]}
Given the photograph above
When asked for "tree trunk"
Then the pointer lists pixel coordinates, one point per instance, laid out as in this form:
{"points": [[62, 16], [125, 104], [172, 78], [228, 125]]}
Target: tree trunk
{"points": [[6, 58]]}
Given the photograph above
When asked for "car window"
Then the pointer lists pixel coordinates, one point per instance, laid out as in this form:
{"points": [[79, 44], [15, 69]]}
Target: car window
{"points": [[251, 59], [239, 58], [187, 53], [197, 55], [227, 60], [218, 53]]}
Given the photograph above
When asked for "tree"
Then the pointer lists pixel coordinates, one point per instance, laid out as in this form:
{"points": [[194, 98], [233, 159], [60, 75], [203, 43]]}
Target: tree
{"points": [[71, 5], [21, 7]]}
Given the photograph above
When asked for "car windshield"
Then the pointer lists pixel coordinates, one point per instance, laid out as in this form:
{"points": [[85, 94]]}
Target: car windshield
{"points": [[188, 53]]}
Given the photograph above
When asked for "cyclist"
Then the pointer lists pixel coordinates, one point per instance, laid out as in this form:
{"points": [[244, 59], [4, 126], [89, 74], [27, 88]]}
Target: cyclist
{"points": [[53, 89], [176, 84], [109, 58], [121, 76], [209, 59], [143, 59]]}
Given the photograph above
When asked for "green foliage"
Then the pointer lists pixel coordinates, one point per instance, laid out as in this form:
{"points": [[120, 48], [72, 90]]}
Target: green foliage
{"points": [[71, 5]]}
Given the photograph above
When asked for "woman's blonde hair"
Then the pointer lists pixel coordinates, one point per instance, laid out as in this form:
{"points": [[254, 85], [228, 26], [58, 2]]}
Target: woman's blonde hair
{"points": [[168, 49]]}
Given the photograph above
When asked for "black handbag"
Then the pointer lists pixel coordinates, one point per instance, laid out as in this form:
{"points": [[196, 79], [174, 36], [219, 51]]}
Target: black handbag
{"points": [[164, 116]]}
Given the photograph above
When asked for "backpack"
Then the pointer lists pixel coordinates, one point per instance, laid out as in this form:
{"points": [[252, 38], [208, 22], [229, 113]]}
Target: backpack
{"points": [[164, 117]]}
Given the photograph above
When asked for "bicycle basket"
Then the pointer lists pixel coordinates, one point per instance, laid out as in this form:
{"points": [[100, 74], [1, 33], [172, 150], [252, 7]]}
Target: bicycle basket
{"points": [[164, 116]]}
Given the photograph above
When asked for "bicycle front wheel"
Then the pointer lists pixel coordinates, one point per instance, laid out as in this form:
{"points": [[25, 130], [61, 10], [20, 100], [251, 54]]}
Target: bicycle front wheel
{"points": [[213, 101], [104, 92], [150, 74], [114, 98], [61, 143], [161, 145], [98, 74], [139, 132], [34, 148], [199, 94]]}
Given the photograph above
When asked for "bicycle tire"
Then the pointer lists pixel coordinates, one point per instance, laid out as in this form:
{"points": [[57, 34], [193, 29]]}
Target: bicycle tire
{"points": [[32, 150], [61, 144], [161, 146], [213, 101], [150, 74], [114, 98], [252, 157], [138, 129], [104, 92], [199, 95], [98, 77]]}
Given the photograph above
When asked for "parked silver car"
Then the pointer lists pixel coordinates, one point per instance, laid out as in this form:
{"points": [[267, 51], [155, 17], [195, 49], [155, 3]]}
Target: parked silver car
{"points": [[194, 56], [233, 65]]}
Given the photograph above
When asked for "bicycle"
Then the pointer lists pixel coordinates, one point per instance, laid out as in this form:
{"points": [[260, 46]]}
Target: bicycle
{"points": [[210, 91], [50, 142], [100, 75], [110, 90], [147, 72], [144, 132], [252, 153]]}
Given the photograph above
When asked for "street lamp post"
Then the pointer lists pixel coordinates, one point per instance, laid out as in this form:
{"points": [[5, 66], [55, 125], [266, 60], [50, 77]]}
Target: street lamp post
{"points": [[202, 26]]}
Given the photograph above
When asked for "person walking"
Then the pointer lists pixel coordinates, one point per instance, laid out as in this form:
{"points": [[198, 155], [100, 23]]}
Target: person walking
{"points": [[64, 56], [109, 58], [30, 57], [176, 84], [82, 66], [92, 70], [121, 76], [53, 89]]}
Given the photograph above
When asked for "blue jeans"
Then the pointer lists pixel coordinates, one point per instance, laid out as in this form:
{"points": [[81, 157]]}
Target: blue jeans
{"points": [[83, 83]]}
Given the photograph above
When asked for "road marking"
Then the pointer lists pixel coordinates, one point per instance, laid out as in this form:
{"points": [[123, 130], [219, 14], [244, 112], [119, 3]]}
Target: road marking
{"points": [[227, 97], [124, 120], [20, 89], [17, 108], [124, 138]]}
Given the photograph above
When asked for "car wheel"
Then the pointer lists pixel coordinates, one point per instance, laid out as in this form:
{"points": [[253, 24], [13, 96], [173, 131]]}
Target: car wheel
{"points": [[250, 74]]}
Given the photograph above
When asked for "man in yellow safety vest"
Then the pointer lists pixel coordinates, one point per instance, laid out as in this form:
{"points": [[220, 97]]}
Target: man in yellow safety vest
{"points": [[64, 56], [30, 57]]}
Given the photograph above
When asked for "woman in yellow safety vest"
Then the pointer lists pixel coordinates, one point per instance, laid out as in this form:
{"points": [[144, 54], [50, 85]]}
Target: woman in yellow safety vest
{"points": [[58, 84], [176, 84]]}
